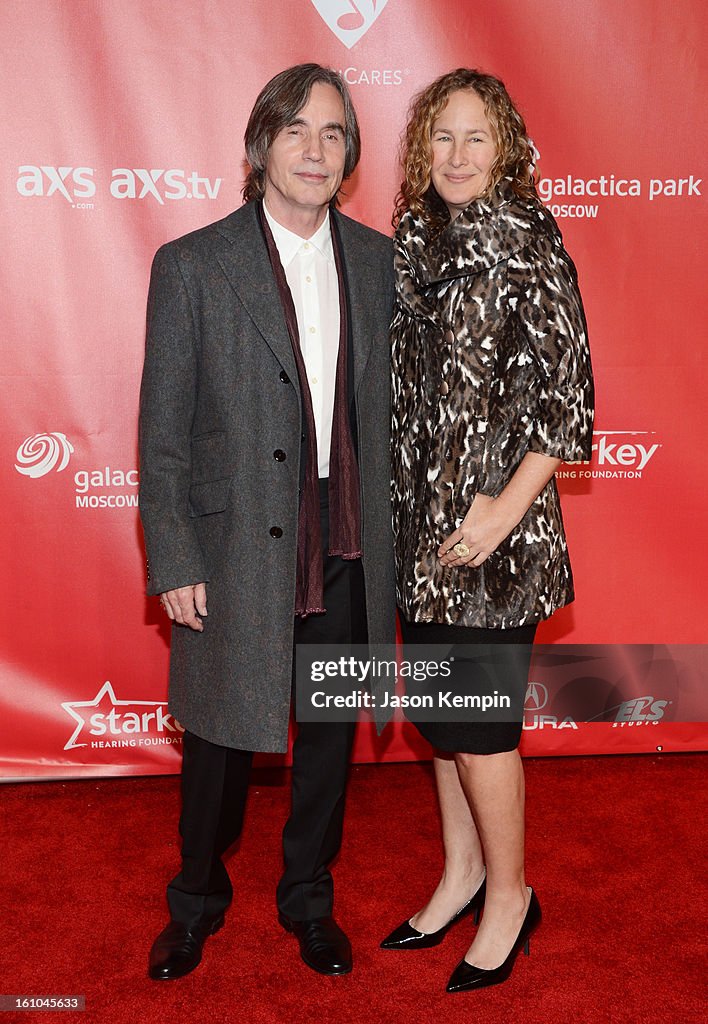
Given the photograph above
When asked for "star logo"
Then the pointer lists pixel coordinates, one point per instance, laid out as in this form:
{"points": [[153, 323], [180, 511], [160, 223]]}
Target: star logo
{"points": [[110, 716]]}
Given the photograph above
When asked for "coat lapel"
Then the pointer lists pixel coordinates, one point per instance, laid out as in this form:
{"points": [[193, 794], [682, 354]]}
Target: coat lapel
{"points": [[361, 289], [247, 268]]}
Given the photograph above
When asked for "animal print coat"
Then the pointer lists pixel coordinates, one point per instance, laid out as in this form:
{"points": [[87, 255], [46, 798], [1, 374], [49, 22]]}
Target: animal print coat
{"points": [[490, 361]]}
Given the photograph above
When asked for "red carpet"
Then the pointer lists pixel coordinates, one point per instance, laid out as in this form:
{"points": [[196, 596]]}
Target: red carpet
{"points": [[614, 851]]}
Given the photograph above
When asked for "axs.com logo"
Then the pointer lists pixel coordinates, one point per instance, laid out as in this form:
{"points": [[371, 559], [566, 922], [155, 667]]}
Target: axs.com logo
{"points": [[78, 184], [70, 182]]}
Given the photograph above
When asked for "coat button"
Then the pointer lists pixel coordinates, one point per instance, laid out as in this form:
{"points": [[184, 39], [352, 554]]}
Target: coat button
{"points": [[284, 377], [443, 388], [450, 337], [276, 532], [279, 455]]}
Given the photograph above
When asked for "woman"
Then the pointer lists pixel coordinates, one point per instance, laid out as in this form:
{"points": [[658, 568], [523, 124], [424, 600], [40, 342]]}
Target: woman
{"points": [[492, 389]]}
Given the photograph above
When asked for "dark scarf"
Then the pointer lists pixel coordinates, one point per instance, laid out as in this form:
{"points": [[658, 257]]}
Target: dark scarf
{"points": [[344, 510]]}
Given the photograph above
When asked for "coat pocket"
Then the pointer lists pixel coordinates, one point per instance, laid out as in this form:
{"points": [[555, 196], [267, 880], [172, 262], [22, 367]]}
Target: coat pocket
{"points": [[209, 460], [209, 497]]}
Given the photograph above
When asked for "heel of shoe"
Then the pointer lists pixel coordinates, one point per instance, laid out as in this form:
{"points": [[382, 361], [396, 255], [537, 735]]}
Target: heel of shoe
{"points": [[466, 976], [217, 924], [284, 922]]}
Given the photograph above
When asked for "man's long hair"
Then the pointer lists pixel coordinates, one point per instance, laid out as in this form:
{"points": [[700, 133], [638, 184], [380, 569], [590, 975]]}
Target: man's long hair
{"points": [[277, 106]]}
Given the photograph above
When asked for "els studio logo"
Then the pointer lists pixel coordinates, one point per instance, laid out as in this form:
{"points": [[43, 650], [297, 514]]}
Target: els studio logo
{"points": [[349, 20], [640, 711], [42, 453], [106, 721]]}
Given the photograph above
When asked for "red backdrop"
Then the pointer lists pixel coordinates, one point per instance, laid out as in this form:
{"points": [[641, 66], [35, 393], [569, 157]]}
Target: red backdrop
{"points": [[123, 128]]}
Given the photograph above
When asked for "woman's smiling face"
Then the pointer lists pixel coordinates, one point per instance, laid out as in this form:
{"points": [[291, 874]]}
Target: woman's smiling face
{"points": [[464, 150]]}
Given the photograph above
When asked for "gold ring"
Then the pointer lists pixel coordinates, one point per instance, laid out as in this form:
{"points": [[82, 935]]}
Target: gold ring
{"points": [[461, 549]]}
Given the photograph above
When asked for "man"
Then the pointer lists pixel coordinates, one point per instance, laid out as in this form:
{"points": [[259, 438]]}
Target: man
{"points": [[264, 439]]}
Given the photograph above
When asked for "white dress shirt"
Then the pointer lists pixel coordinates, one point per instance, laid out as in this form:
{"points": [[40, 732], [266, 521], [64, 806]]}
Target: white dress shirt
{"points": [[312, 277]]}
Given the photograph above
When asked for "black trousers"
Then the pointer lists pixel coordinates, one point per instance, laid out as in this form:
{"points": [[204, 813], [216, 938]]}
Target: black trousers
{"points": [[215, 781]]}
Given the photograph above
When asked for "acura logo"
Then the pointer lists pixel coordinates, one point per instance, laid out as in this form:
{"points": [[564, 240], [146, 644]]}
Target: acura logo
{"points": [[536, 697]]}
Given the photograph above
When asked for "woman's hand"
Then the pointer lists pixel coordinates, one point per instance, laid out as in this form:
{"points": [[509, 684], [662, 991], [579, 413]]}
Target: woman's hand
{"points": [[483, 529], [490, 520]]}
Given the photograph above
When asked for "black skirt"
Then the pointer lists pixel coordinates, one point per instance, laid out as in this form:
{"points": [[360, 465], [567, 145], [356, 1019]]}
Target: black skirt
{"points": [[507, 670]]}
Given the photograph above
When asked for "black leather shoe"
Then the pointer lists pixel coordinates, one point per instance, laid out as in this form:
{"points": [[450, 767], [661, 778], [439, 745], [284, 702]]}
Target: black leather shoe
{"points": [[466, 976], [323, 945], [177, 950], [408, 937]]}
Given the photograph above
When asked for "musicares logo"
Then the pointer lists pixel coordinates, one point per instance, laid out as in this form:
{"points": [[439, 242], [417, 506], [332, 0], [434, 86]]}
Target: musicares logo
{"points": [[349, 19], [110, 722]]}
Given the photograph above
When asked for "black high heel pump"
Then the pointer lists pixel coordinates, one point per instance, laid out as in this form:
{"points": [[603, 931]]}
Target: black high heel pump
{"points": [[408, 937], [466, 976]]}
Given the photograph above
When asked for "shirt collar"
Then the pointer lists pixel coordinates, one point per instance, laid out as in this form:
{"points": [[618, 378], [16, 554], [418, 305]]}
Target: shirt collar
{"points": [[289, 244]]}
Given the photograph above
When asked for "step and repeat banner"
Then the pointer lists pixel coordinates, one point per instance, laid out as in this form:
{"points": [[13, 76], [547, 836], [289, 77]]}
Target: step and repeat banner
{"points": [[123, 126]]}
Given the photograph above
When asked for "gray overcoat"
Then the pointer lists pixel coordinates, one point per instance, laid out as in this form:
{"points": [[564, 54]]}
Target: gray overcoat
{"points": [[219, 397]]}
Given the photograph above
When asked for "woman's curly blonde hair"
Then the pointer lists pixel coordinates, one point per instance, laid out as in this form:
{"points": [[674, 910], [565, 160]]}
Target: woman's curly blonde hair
{"points": [[515, 152]]}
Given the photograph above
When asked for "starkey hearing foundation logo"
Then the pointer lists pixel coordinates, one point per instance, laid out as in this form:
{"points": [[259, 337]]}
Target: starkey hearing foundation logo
{"points": [[106, 722], [349, 19], [616, 455], [42, 453]]}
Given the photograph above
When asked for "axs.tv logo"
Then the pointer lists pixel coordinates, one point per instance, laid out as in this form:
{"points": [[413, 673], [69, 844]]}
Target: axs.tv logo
{"points": [[78, 184]]}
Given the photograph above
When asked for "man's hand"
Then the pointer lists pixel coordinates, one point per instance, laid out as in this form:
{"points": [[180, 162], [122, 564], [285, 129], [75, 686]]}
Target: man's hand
{"points": [[186, 605]]}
